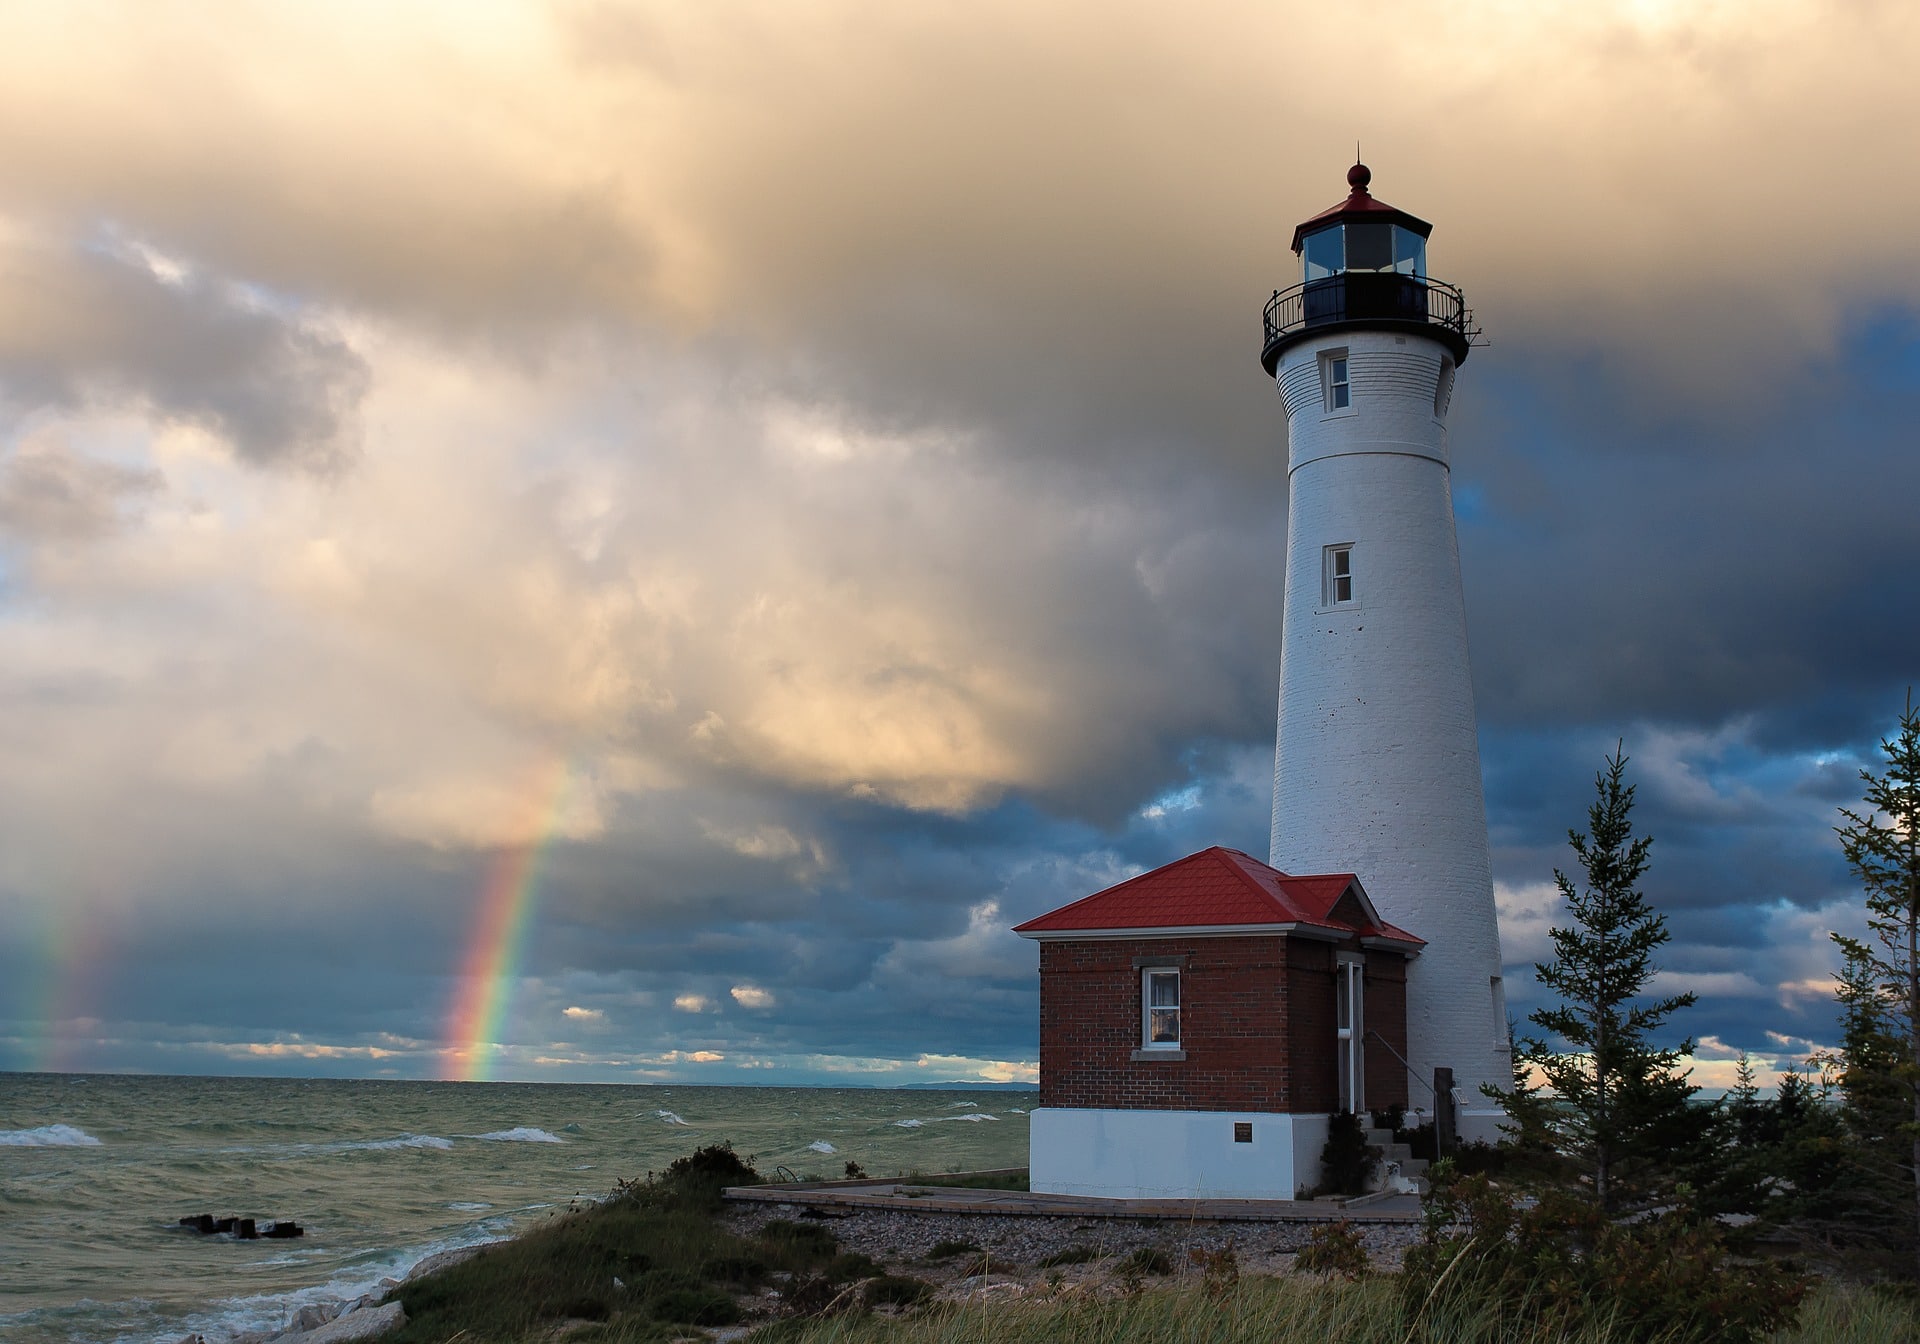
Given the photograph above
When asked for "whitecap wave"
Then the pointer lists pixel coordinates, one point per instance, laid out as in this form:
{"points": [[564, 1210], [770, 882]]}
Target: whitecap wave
{"points": [[670, 1118], [269, 1313], [521, 1134], [467, 1206], [404, 1141], [972, 1117], [821, 1146], [956, 1105], [909, 1124], [1015, 1110], [48, 1136]]}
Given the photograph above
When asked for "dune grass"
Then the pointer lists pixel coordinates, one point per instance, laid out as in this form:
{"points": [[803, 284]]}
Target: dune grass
{"points": [[973, 1180], [1307, 1311], [653, 1263]]}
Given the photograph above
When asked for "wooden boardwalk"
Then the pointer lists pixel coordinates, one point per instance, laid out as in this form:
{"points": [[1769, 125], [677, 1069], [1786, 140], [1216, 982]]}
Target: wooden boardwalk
{"points": [[895, 1196]]}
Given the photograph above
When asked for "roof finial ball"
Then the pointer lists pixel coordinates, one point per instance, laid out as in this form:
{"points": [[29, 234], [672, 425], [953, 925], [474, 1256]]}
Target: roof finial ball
{"points": [[1359, 176]]}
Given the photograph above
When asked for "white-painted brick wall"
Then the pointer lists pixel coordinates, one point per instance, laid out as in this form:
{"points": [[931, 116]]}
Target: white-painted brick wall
{"points": [[1376, 762]]}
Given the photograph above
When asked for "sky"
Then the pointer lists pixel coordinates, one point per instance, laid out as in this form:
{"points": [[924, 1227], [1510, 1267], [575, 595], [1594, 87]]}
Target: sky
{"points": [[632, 542]]}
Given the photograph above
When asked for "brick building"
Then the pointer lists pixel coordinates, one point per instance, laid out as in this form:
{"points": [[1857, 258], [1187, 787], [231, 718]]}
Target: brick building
{"points": [[1199, 1023]]}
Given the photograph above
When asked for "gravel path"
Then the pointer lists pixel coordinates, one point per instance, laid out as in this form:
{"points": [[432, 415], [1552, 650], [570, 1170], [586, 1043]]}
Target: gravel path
{"points": [[900, 1239]]}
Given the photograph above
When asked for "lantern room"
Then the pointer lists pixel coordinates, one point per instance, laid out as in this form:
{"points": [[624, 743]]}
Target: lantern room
{"points": [[1361, 234], [1364, 263]]}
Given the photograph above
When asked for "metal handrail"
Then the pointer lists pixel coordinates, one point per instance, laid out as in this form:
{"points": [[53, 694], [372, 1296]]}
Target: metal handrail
{"points": [[1403, 1064], [1417, 298]]}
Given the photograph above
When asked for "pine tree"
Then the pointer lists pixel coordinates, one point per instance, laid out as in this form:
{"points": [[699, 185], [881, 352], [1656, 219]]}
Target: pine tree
{"points": [[1620, 1108], [1880, 987]]}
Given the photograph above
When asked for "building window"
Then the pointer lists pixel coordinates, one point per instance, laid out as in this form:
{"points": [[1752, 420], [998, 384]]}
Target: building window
{"points": [[1160, 1008], [1337, 584], [1334, 381]]}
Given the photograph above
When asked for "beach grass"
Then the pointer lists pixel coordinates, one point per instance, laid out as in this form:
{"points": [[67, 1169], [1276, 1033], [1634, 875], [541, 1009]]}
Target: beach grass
{"points": [[654, 1263], [1308, 1310], [973, 1180]]}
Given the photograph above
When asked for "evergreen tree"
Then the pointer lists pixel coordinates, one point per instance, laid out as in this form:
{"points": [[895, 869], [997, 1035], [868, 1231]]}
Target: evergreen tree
{"points": [[1879, 989], [1619, 1108]]}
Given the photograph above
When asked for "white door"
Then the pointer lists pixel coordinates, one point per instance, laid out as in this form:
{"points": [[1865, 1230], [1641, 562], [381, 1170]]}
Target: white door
{"points": [[1350, 1024]]}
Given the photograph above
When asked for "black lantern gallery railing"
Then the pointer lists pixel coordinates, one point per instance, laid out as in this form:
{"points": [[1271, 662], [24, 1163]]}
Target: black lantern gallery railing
{"points": [[1368, 298]]}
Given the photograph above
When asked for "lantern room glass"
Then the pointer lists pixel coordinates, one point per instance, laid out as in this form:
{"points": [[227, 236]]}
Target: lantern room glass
{"points": [[1363, 245]]}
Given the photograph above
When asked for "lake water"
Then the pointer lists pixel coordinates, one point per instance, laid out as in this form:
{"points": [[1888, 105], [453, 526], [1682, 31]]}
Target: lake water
{"points": [[96, 1171]]}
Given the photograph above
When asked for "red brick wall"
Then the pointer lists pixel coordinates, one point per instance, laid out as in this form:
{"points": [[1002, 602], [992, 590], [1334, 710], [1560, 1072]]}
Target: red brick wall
{"points": [[1257, 1026], [1233, 1020], [1386, 1013], [1316, 1080]]}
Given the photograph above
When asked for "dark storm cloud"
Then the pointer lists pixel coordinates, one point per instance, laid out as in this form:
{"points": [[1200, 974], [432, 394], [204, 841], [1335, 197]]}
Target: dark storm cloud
{"points": [[100, 327], [837, 434]]}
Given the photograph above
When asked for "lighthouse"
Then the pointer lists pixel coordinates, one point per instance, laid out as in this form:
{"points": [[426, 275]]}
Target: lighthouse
{"points": [[1376, 761], [1200, 1024]]}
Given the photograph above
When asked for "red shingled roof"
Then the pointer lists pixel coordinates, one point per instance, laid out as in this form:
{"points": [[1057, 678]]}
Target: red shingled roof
{"points": [[1214, 889], [1361, 204]]}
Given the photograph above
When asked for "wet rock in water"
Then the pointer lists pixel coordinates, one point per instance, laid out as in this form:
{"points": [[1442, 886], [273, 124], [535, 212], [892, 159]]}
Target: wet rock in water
{"points": [[366, 1323], [312, 1317], [244, 1229], [285, 1230], [440, 1260], [224, 1224], [199, 1222]]}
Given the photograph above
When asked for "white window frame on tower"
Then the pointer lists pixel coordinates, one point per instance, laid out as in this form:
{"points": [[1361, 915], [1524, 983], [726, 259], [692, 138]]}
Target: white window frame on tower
{"points": [[1336, 575], [1336, 382]]}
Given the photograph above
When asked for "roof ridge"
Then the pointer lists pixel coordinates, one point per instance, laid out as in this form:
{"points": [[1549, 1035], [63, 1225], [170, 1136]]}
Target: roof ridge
{"points": [[1247, 879]]}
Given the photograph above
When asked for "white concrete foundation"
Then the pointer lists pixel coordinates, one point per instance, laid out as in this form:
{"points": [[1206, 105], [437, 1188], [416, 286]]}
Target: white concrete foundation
{"points": [[1114, 1154], [1480, 1125]]}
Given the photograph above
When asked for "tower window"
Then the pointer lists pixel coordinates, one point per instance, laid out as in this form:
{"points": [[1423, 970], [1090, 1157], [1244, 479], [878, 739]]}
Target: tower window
{"points": [[1160, 1008], [1443, 390], [1337, 581], [1334, 381]]}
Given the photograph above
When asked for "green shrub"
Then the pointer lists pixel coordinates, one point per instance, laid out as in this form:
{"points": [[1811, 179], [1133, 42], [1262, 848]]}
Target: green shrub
{"points": [[1146, 1260], [1334, 1248], [946, 1250], [1219, 1270], [1072, 1255], [742, 1269], [695, 1306], [851, 1265], [1348, 1160], [981, 1262], [1561, 1264], [586, 1307], [897, 1290], [820, 1296], [716, 1164], [798, 1245]]}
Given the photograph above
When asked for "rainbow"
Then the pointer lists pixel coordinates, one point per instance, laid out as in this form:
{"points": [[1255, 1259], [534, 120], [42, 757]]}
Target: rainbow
{"points": [[63, 987], [483, 994]]}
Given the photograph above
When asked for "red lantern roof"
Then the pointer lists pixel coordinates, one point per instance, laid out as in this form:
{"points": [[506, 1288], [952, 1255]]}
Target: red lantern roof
{"points": [[1223, 891], [1359, 205]]}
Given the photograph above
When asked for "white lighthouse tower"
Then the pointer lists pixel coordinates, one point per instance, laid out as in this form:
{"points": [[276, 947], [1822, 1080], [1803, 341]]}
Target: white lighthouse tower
{"points": [[1376, 765]]}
